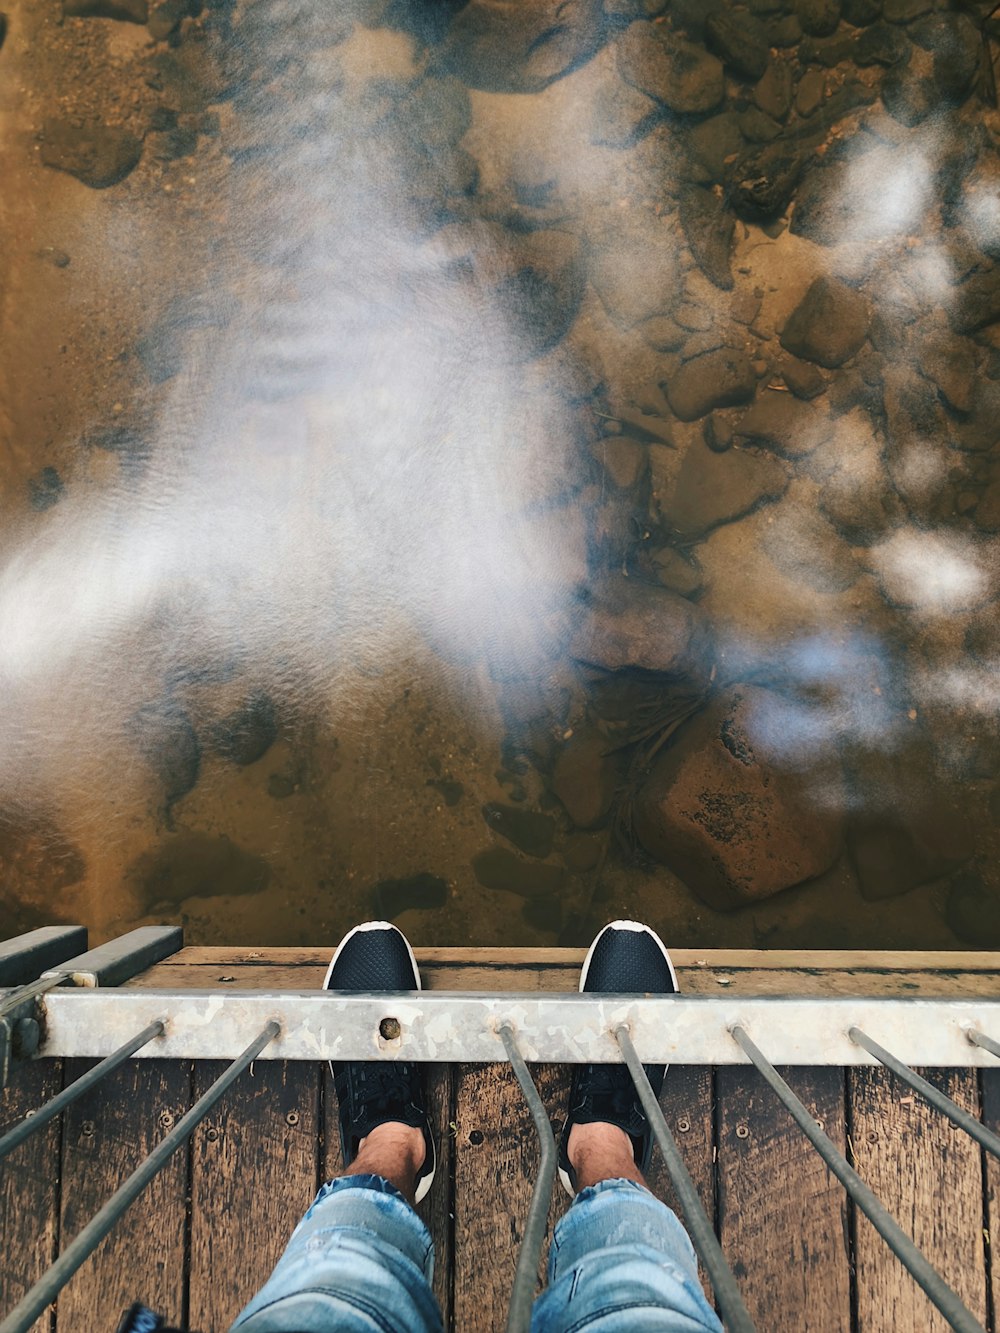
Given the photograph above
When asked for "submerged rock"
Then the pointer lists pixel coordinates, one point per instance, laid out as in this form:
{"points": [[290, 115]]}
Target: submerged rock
{"points": [[246, 734], [910, 829], [773, 94], [805, 547], [828, 325], [858, 497], [45, 489], [682, 76], [131, 11], [37, 862], [819, 18], [423, 892], [677, 573], [530, 831], [505, 46], [860, 13], [99, 155], [782, 422], [620, 114], [978, 303], [196, 865], [716, 141], [973, 910], [724, 378], [639, 626], [804, 378], [957, 48], [169, 744], [740, 806], [583, 776], [908, 96], [708, 229], [165, 15], [713, 488], [950, 363], [537, 289], [740, 41], [634, 268], [498, 868]]}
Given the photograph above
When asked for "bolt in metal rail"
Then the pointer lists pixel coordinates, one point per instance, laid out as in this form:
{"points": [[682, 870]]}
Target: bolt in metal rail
{"points": [[957, 1314], [939, 1100], [83, 1245], [523, 1293], [552, 1027], [53, 1107], [702, 1233]]}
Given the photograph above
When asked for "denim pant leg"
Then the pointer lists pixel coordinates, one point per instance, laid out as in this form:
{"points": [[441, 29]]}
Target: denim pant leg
{"points": [[621, 1262], [360, 1261]]}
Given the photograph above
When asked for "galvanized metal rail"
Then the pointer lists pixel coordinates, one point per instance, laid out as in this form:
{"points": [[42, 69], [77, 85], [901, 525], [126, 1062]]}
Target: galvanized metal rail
{"points": [[552, 1027], [77, 1015]]}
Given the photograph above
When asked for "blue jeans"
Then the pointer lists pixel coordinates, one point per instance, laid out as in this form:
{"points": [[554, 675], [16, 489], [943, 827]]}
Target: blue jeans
{"points": [[361, 1261]]}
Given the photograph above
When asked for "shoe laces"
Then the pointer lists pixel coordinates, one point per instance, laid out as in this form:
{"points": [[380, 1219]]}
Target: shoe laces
{"points": [[380, 1084], [613, 1082]]}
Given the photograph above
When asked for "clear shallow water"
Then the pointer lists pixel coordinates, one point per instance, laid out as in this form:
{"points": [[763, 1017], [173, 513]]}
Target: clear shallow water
{"points": [[502, 471]]}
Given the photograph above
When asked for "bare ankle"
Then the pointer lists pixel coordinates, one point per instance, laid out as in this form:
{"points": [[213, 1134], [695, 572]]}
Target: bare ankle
{"points": [[393, 1151], [601, 1151]]}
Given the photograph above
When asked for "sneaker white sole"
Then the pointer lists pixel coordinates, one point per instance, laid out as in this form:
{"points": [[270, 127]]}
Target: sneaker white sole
{"points": [[359, 930], [640, 928], [425, 1182], [564, 1179]]}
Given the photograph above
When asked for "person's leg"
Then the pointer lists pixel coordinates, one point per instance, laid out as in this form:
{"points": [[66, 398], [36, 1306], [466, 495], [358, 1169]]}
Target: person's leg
{"points": [[361, 1260], [620, 1260]]}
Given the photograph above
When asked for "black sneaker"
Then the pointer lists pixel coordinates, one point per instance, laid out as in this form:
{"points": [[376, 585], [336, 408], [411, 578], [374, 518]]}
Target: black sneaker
{"points": [[626, 958], [377, 957]]}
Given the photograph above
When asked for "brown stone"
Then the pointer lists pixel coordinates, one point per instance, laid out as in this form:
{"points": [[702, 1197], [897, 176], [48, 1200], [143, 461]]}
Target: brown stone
{"points": [[634, 267], [912, 827], [712, 488], [738, 807], [129, 11], [804, 379], [584, 776], [640, 626], [723, 378], [988, 508], [99, 155], [682, 76], [828, 325], [782, 422], [506, 46]]}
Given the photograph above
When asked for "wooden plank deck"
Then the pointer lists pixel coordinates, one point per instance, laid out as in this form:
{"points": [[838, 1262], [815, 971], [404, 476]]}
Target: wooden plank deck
{"points": [[205, 1235]]}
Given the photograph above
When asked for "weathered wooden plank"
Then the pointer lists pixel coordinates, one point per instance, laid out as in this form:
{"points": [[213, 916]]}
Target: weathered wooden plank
{"points": [[496, 1164], [929, 1176], [782, 1216], [29, 1218], [497, 1159], [688, 1109], [106, 1134], [990, 1104], [437, 1208], [254, 1168]]}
